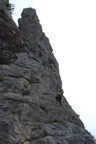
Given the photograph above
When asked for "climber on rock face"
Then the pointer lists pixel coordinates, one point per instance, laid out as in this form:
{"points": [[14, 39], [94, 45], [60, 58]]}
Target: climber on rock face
{"points": [[59, 96]]}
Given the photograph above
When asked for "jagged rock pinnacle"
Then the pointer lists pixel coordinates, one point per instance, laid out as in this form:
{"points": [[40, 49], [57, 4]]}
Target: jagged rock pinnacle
{"points": [[29, 84]]}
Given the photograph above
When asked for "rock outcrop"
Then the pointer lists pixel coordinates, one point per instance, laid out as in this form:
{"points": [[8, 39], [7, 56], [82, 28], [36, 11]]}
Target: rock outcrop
{"points": [[29, 84]]}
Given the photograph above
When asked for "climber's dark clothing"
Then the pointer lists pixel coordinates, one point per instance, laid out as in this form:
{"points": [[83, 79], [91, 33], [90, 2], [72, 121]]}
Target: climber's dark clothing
{"points": [[59, 96]]}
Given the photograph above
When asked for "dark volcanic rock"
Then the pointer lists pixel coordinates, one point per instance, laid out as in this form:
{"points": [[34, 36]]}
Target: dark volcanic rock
{"points": [[29, 84]]}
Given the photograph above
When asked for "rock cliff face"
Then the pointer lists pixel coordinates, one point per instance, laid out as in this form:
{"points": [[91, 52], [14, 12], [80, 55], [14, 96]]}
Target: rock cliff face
{"points": [[29, 84]]}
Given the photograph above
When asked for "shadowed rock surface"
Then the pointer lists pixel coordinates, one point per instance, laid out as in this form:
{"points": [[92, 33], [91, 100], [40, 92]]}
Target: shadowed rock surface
{"points": [[29, 84]]}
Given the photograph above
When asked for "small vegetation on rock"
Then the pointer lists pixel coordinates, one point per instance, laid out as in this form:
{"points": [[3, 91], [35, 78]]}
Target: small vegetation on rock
{"points": [[1, 79], [10, 8], [59, 121]]}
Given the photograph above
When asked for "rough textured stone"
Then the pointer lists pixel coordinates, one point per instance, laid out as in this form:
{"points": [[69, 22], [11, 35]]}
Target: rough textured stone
{"points": [[29, 84]]}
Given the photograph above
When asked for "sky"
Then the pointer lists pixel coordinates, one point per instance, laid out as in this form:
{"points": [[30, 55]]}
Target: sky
{"points": [[70, 26]]}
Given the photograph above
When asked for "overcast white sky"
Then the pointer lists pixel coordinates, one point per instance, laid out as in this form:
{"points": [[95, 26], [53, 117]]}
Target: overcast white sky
{"points": [[71, 28]]}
